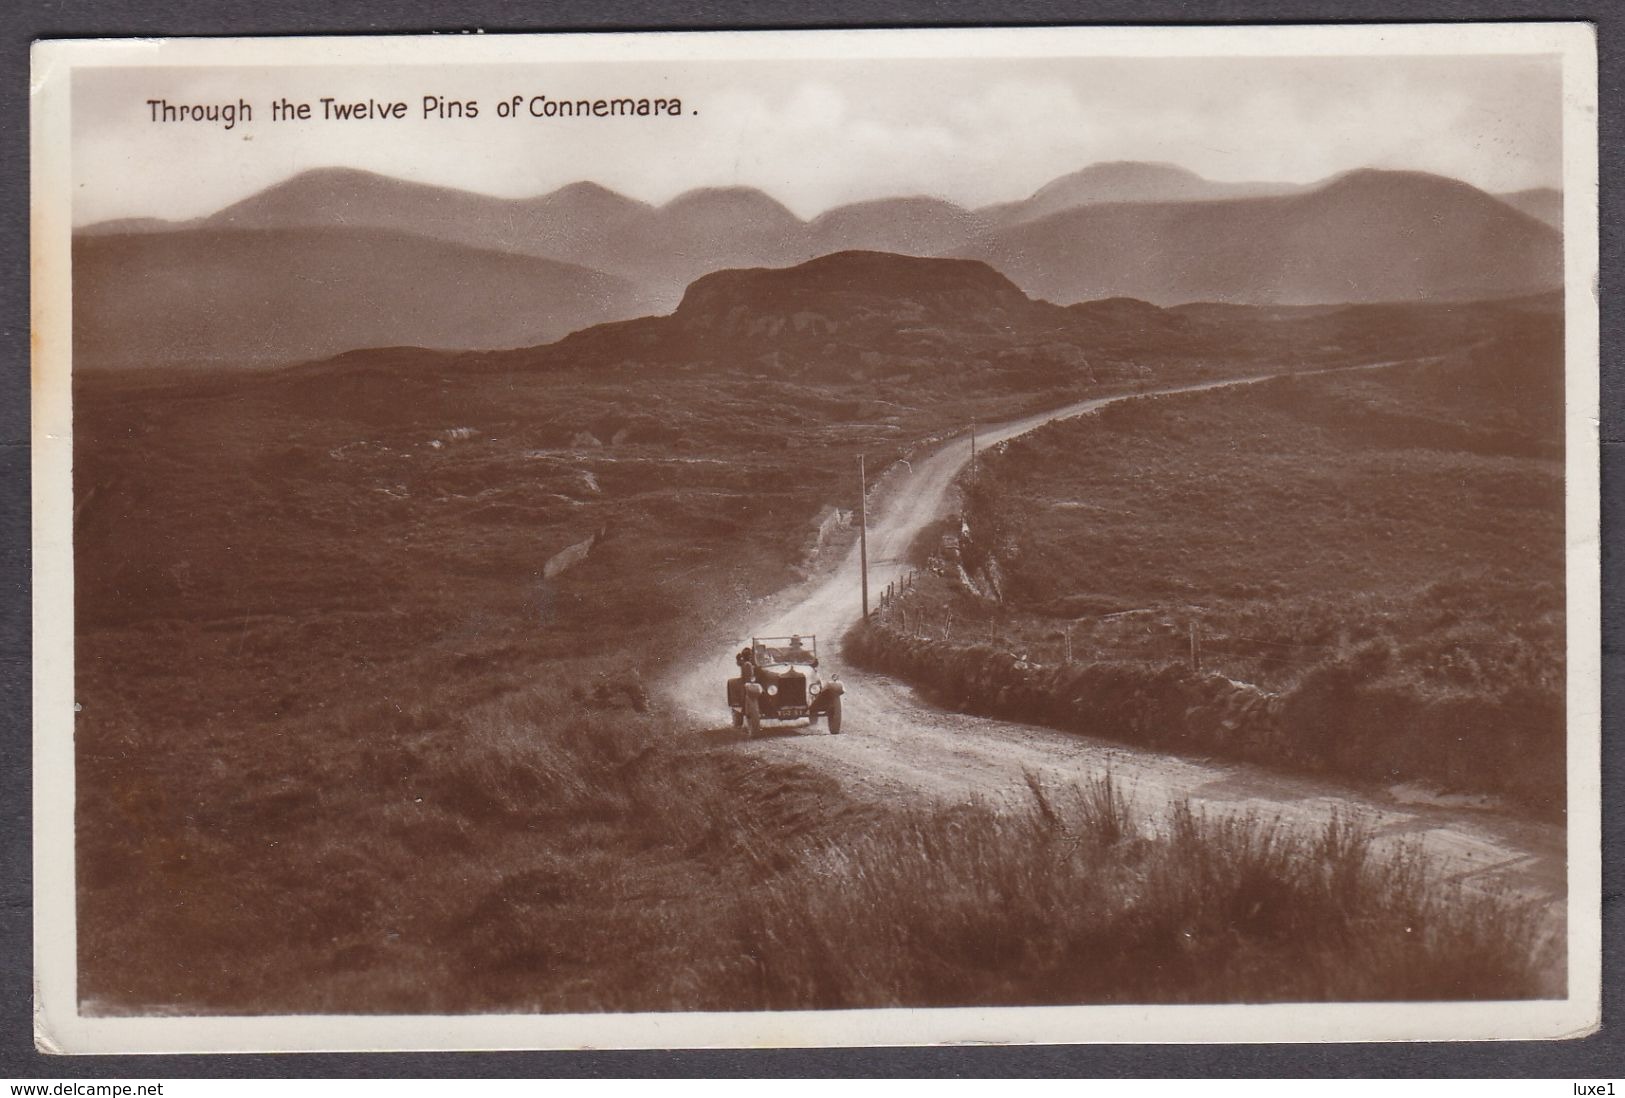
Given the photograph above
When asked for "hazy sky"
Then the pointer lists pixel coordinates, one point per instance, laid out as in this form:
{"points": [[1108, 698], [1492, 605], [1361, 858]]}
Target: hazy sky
{"points": [[816, 134]]}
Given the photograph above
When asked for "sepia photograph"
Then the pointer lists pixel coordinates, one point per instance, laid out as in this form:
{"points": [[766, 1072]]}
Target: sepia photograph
{"points": [[816, 538]]}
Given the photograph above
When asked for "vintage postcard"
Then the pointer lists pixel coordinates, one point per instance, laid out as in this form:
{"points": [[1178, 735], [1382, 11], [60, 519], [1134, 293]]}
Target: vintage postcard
{"points": [[782, 539]]}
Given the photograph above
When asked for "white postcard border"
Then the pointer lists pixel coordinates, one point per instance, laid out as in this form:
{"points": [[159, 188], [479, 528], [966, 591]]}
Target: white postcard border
{"points": [[60, 1028]]}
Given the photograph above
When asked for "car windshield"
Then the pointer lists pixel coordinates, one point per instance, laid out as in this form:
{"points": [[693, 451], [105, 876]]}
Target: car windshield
{"points": [[784, 653]]}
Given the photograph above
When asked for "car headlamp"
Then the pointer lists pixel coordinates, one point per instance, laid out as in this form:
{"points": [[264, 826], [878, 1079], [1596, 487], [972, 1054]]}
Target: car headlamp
{"points": [[773, 690], [814, 688]]}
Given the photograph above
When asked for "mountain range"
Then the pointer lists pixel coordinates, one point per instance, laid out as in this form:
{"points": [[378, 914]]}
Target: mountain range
{"points": [[334, 259]]}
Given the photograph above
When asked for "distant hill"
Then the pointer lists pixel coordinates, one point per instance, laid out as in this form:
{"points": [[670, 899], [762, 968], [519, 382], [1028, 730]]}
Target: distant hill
{"points": [[353, 199], [661, 249], [1365, 236], [263, 296], [1126, 181], [715, 227], [128, 225], [917, 225], [851, 314], [1543, 203], [853, 288]]}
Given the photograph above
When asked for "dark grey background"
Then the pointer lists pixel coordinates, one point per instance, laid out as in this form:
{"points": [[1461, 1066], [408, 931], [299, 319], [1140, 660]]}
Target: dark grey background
{"points": [[1600, 1056]]}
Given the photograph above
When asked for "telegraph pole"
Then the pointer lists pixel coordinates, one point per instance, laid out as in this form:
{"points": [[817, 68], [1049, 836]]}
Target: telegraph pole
{"points": [[863, 533]]}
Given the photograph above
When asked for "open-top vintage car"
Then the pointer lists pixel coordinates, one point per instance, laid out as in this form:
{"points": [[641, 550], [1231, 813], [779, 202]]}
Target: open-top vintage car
{"points": [[779, 681]]}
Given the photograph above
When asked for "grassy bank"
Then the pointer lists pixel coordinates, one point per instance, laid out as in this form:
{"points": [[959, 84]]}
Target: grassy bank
{"points": [[1379, 554]]}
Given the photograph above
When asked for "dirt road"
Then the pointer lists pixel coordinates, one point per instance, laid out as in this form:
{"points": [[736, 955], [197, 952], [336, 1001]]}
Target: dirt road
{"points": [[898, 747]]}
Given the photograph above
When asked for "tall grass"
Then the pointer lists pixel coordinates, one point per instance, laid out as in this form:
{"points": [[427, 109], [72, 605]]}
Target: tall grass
{"points": [[1060, 902]]}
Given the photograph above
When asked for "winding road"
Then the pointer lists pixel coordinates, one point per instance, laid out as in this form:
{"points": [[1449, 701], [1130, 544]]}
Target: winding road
{"points": [[897, 747]]}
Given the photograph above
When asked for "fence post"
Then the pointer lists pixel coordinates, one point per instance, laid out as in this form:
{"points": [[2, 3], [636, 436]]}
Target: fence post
{"points": [[863, 533]]}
